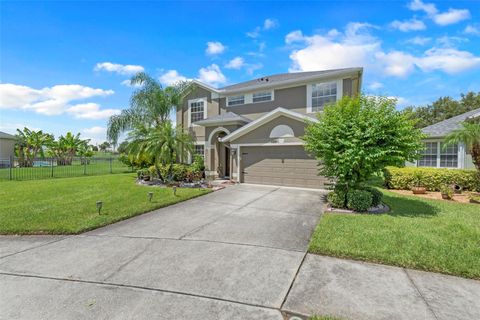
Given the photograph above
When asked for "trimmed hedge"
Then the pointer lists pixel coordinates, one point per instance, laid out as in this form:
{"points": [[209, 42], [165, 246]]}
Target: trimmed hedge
{"points": [[359, 200], [431, 178]]}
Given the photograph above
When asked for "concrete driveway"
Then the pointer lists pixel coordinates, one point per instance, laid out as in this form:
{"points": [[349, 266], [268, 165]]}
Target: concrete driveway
{"points": [[232, 254], [239, 253]]}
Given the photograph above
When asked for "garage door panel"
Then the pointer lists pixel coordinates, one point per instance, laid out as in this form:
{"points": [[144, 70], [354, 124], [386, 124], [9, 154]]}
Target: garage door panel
{"points": [[284, 166]]}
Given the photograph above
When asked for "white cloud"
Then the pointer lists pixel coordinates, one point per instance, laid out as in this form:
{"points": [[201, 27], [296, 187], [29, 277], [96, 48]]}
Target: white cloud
{"points": [[294, 36], [401, 101], [408, 25], [420, 41], [214, 48], [126, 69], [211, 75], [235, 63], [375, 85], [171, 77], [418, 5], [49, 100], [128, 83], [472, 29], [270, 24], [95, 134], [357, 47], [448, 60], [451, 16], [91, 111], [396, 63], [351, 49]]}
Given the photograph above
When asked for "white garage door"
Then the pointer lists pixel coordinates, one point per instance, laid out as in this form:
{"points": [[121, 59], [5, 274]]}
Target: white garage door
{"points": [[283, 166]]}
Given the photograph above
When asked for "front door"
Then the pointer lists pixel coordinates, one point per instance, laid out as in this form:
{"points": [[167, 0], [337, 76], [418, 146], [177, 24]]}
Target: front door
{"points": [[227, 162]]}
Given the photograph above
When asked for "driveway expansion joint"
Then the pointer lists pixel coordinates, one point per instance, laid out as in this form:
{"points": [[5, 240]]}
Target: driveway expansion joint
{"points": [[112, 284], [420, 293], [39, 246], [293, 280]]}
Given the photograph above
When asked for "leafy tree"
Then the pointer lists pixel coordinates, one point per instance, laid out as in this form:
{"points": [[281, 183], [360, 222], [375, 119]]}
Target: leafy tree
{"points": [[66, 147], [122, 147], [104, 146], [150, 105], [357, 137], [30, 143], [469, 134], [442, 109], [161, 144]]}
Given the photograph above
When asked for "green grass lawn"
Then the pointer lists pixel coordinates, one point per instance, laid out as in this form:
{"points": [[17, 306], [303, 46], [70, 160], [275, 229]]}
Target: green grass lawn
{"points": [[432, 235], [64, 206]]}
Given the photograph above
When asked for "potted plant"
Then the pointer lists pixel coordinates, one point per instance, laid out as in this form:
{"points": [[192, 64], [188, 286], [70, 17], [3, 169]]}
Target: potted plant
{"points": [[474, 197], [457, 189], [447, 192], [417, 187]]}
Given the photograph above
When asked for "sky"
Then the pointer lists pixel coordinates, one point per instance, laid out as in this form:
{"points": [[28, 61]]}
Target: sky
{"points": [[65, 65]]}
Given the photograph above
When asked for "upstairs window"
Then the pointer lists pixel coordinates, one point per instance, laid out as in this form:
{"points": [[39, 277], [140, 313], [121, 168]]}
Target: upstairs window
{"points": [[262, 96], [197, 110], [323, 94], [235, 100]]}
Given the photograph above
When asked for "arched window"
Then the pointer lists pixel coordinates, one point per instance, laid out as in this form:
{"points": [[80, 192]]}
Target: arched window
{"points": [[281, 131]]}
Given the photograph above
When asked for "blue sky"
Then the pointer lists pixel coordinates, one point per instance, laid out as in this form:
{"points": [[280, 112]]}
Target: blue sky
{"points": [[63, 64]]}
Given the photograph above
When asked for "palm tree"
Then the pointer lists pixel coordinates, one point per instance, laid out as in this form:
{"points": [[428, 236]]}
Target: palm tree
{"points": [[30, 143], [150, 105], [162, 144], [469, 134]]}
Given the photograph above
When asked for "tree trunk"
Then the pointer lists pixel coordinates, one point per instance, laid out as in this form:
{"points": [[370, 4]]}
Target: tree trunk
{"points": [[476, 155]]}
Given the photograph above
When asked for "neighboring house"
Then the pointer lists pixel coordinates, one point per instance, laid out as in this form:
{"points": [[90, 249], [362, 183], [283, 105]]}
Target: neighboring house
{"points": [[438, 155], [7, 147], [251, 131]]}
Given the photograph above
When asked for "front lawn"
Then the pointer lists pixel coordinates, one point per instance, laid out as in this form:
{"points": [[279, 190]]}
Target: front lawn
{"points": [[63, 206], [432, 235]]}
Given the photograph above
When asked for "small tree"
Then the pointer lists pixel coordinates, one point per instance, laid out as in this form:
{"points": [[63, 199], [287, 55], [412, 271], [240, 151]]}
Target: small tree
{"points": [[357, 137]]}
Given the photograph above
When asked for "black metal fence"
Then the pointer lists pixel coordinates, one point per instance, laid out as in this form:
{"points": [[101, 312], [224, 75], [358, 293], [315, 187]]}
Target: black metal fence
{"points": [[45, 168]]}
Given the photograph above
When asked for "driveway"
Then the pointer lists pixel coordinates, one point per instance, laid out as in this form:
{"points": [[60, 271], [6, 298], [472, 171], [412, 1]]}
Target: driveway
{"points": [[238, 253], [232, 254]]}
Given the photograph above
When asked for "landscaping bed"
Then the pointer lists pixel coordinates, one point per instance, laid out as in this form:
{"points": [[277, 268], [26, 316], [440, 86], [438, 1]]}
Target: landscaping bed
{"points": [[68, 206], [427, 234]]}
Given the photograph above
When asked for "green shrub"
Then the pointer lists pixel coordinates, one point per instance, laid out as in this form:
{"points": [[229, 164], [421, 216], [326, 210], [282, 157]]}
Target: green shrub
{"points": [[447, 190], [359, 200], [179, 171], [430, 178], [336, 199], [377, 196]]}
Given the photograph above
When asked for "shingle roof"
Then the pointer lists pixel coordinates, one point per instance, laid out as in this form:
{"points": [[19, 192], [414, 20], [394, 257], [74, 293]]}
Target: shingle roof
{"points": [[4, 135], [443, 128], [224, 117], [282, 77]]}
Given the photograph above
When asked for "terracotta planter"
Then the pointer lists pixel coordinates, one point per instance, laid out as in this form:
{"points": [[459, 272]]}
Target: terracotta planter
{"points": [[446, 196], [419, 190]]}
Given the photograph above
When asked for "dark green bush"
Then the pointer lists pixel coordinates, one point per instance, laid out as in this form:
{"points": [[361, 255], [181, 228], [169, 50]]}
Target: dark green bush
{"points": [[359, 200], [336, 199], [377, 196], [431, 178]]}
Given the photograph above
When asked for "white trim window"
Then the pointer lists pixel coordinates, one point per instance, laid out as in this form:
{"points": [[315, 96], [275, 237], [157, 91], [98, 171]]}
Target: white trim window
{"points": [[438, 155], [235, 100], [321, 94], [199, 149], [197, 110], [448, 156], [429, 155], [262, 96]]}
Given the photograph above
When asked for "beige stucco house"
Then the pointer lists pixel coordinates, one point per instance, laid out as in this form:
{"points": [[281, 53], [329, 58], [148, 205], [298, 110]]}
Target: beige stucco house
{"points": [[251, 131], [7, 145]]}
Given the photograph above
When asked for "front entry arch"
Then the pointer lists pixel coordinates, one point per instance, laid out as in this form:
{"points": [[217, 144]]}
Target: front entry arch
{"points": [[219, 160]]}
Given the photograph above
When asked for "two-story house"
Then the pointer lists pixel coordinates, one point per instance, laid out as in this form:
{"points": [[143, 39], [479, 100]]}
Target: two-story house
{"points": [[251, 131]]}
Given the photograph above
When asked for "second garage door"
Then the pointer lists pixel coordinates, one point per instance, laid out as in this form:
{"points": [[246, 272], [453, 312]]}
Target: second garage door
{"points": [[283, 166]]}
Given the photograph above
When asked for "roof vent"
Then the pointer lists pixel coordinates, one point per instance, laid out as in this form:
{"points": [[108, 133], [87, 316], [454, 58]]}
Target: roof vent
{"points": [[263, 79]]}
